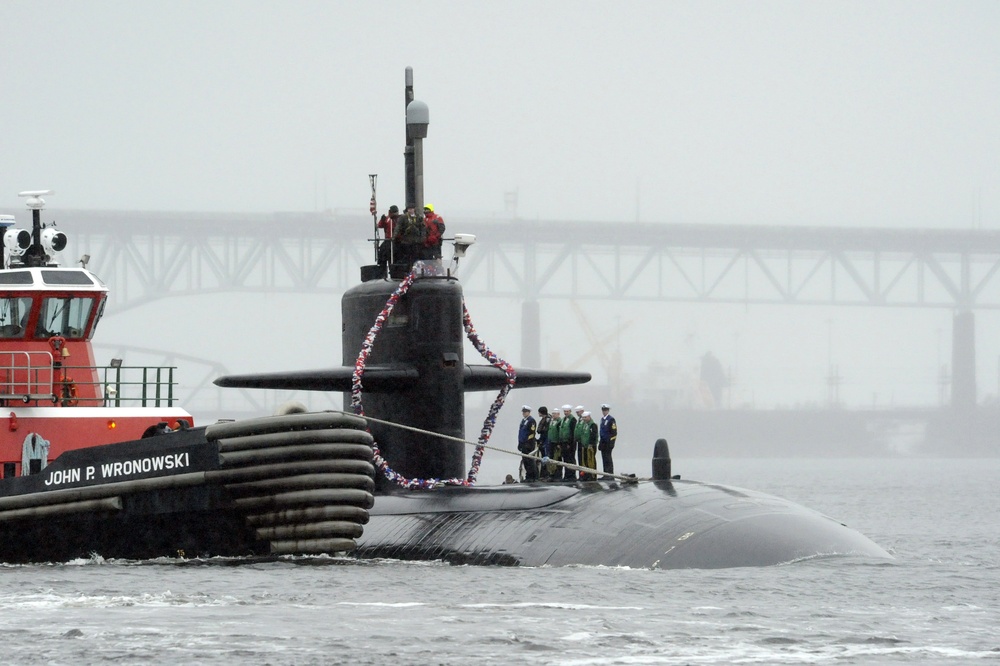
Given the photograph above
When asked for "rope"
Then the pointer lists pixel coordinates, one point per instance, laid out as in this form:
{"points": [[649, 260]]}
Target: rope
{"points": [[621, 477], [488, 423]]}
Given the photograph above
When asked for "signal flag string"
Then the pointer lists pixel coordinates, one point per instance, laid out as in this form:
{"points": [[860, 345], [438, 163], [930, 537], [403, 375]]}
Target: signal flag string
{"points": [[488, 423]]}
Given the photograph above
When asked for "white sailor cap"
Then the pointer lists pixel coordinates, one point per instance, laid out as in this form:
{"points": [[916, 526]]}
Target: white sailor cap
{"points": [[605, 406], [525, 408], [586, 414], [567, 408], [579, 407]]}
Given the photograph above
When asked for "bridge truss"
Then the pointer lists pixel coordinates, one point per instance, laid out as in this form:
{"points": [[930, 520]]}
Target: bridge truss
{"points": [[150, 256], [146, 257]]}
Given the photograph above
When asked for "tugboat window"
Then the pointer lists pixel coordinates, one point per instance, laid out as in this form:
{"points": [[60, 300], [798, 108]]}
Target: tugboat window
{"points": [[100, 313], [64, 316], [14, 316], [66, 277], [16, 277]]}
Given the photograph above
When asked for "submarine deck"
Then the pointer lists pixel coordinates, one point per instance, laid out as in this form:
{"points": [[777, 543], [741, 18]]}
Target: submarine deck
{"points": [[649, 524]]}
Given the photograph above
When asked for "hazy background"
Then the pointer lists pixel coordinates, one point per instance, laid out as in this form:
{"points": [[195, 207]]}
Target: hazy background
{"points": [[841, 114]]}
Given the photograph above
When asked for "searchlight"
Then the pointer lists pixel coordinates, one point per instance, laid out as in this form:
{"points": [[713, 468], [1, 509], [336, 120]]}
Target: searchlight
{"points": [[53, 241], [16, 241]]}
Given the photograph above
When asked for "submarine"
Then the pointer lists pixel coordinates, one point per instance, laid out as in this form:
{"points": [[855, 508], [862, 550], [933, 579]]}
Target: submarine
{"points": [[404, 371]]}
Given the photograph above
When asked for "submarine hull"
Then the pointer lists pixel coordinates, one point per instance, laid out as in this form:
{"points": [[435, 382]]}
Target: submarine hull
{"points": [[650, 524]]}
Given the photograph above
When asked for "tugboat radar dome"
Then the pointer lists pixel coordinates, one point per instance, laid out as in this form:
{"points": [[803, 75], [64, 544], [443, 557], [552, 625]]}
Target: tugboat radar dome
{"points": [[35, 200]]}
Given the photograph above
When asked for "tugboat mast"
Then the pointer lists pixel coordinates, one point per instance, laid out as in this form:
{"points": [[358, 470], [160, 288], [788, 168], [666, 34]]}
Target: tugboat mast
{"points": [[44, 242]]}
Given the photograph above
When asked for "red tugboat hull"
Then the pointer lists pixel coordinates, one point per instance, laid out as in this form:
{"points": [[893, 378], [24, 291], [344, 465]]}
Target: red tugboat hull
{"points": [[295, 484]]}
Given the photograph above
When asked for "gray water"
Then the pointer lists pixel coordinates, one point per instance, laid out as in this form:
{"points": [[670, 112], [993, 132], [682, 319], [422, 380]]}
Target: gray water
{"points": [[938, 602]]}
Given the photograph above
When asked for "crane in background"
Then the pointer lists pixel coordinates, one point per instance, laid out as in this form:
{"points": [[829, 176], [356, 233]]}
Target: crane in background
{"points": [[600, 345]]}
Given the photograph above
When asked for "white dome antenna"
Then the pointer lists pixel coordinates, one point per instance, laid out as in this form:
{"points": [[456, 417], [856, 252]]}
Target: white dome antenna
{"points": [[35, 200]]}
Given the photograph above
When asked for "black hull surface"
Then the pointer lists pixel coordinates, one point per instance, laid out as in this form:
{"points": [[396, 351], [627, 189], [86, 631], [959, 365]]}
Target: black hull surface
{"points": [[650, 524], [302, 484], [294, 484]]}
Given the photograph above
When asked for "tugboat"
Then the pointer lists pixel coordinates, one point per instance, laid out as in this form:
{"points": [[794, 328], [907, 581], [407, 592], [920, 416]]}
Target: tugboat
{"points": [[99, 459], [404, 372]]}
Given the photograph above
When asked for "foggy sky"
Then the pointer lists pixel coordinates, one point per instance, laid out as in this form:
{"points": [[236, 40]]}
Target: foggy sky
{"points": [[828, 113], [824, 113]]}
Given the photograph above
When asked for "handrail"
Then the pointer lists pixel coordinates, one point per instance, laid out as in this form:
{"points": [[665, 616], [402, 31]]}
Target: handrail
{"points": [[33, 380], [119, 388], [30, 370]]}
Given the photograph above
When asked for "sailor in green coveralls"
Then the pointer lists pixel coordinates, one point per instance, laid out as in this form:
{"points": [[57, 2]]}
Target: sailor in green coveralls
{"points": [[586, 439], [568, 438], [555, 445]]}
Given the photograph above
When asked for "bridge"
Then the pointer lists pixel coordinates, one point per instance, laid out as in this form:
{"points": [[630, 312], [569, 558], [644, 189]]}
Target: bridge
{"points": [[147, 257]]}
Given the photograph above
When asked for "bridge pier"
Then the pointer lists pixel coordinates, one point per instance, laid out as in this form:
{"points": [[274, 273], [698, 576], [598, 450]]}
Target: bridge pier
{"points": [[963, 361], [531, 334]]}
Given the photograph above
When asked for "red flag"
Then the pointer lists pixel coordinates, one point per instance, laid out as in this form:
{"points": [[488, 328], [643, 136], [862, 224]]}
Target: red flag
{"points": [[371, 207]]}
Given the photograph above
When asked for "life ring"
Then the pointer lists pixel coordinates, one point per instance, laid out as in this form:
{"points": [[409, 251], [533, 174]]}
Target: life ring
{"points": [[69, 395]]}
